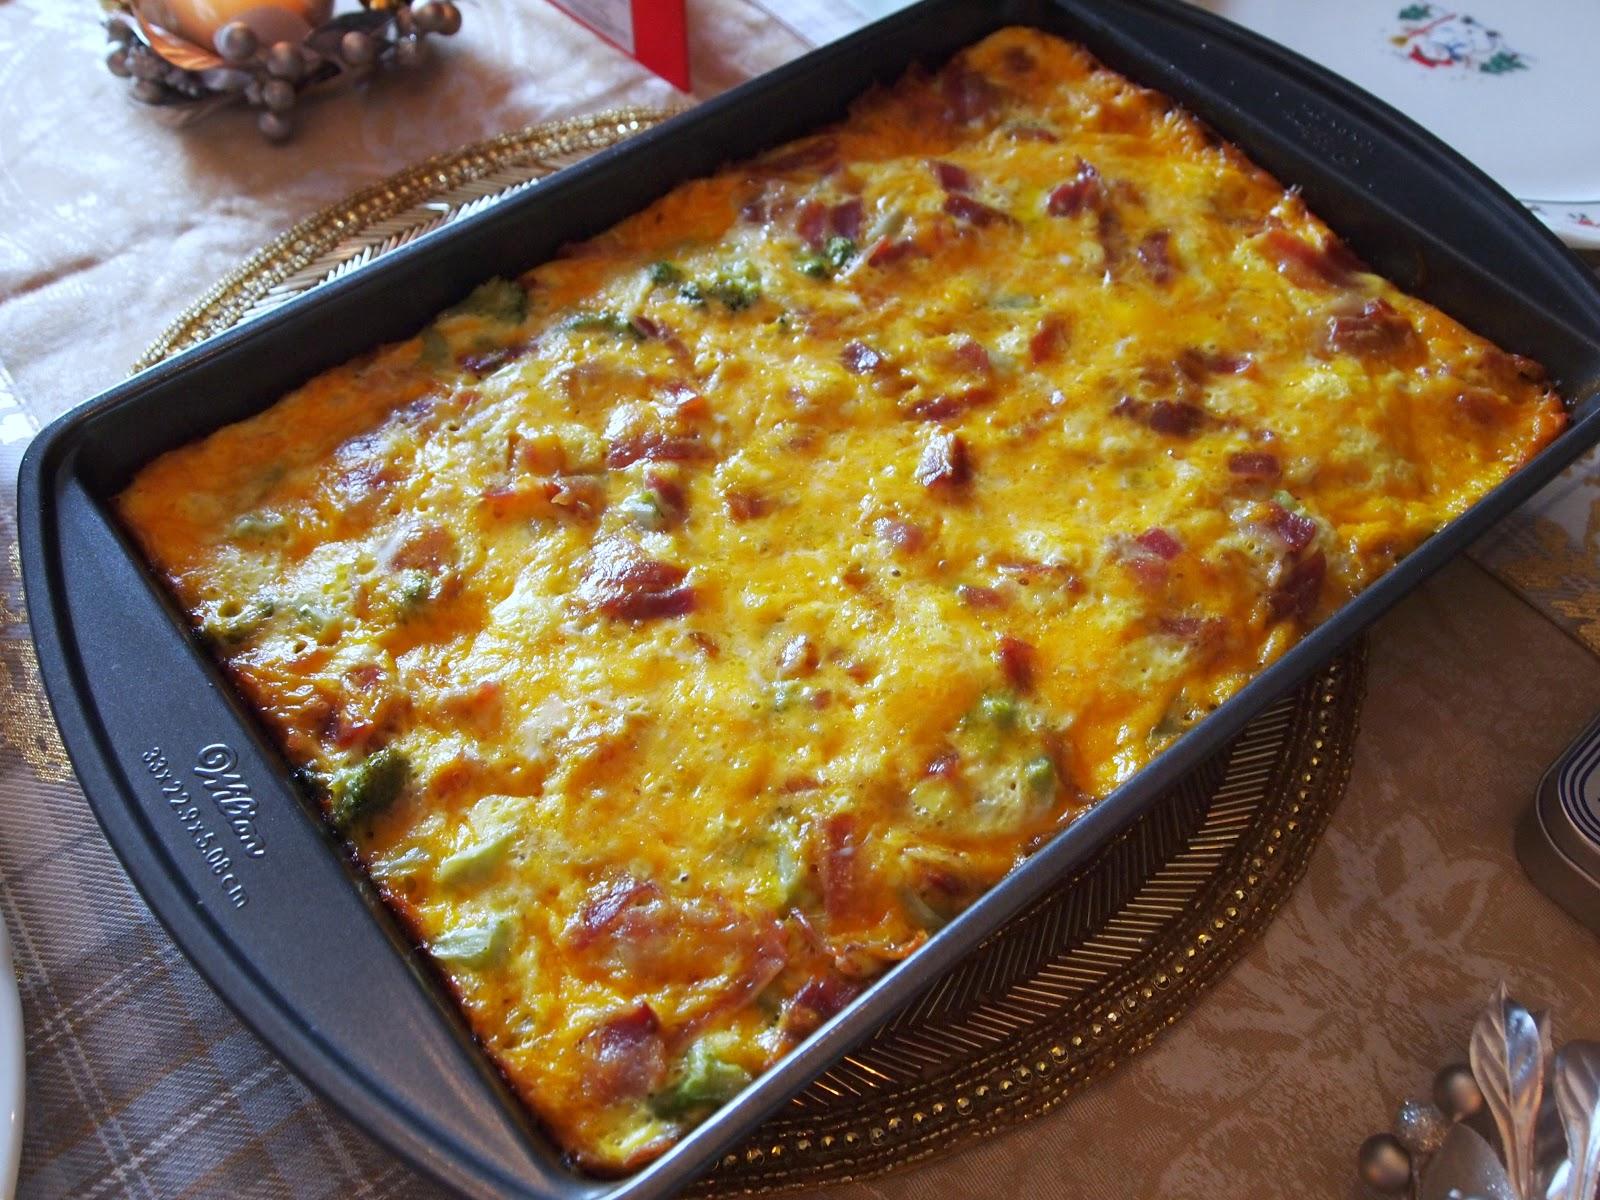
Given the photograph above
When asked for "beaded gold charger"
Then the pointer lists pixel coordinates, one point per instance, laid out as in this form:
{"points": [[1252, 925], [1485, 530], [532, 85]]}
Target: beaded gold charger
{"points": [[1068, 989]]}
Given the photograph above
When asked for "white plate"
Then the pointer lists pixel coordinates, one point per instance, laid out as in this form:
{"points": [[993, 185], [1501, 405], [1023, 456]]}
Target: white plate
{"points": [[11, 1062], [1512, 84]]}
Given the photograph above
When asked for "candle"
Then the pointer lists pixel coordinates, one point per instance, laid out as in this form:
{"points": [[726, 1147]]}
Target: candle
{"points": [[272, 21]]}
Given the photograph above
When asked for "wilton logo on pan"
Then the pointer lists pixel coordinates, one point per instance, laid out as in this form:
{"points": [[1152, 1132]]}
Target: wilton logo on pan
{"points": [[188, 814], [215, 764]]}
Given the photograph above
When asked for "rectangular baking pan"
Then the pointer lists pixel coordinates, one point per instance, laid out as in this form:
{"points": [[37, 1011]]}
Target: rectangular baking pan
{"points": [[235, 861]]}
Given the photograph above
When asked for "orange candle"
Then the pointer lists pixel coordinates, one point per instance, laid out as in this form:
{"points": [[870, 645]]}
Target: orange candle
{"points": [[197, 21]]}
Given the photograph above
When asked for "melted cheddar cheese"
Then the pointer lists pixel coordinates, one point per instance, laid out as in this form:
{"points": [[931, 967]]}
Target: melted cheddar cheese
{"points": [[682, 633]]}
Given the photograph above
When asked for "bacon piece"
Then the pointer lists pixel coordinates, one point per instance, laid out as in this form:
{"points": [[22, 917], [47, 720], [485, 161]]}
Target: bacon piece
{"points": [[839, 871], [976, 212], [817, 152], [344, 730], [815, 1002], [1196, 364], [944, 462], [1377, 329], [859, 358], [845, 218], [765, 958], [1294, 530], [521, 500], [1017, 60], [1025, 570], [1031, 133], [1048, 339], [900, 535], [364, 677], [1298, 590], [479, 703], [1155, 253], [889, 250], [653, 445], [603, 908], [971, 356], [941, 888], [947, 405], [1160, 543], [1017, 661], [417, 411], [1506, 369], [1177, 418], [811, 222], [974, 596], [1085, 191], [1152, 573], [1255, 464], [1482, 405], [669, 495], [485, 361], [951, 176], [1195, 630], [622, 582], [968, 96], [649, 328], [1148, 556], [1327, 266], [363, 469], [581, 495], [422, 548], [745, 505], [799, 657], [684, 401], [627, 1058]]}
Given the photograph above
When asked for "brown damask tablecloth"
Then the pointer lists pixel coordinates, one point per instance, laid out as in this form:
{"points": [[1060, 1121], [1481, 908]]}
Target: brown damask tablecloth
{"points": [[141, 1082]]}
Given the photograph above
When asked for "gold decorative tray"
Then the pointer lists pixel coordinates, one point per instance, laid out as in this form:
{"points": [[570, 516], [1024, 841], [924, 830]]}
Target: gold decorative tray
{"points": [[1071, 987]]}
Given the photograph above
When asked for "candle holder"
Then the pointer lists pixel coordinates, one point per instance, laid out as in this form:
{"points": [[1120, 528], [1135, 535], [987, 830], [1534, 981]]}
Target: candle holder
{"points": [[1519, 1121], [189, 58]]}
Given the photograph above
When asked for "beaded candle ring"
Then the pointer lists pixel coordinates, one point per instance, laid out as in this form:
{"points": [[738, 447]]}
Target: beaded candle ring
{"points": [[188, 58]]}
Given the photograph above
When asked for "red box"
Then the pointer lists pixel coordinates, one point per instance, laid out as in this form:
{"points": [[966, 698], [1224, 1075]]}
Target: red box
{"points": [[656, 32]]}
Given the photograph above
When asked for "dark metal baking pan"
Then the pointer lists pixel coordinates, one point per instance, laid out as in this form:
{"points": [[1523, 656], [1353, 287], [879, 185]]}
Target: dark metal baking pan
{"points": [[272, 912]]}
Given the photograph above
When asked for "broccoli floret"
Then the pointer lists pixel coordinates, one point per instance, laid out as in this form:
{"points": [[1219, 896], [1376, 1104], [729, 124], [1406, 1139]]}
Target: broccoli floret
{"points": [[235, 623], [839, 251], [401, 867], [738, 285], [497, 300], [604, 321], [706, 1081], [1039, 775], [644, 510], [474, 861], [435, 348], [412, 589], [258, 526], [825, 263], [368, 787], [998, 709], [813, 264], [479, 945], [663, 274]]}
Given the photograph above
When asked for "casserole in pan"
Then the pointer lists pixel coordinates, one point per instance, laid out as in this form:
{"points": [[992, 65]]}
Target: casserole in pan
{"points": [[228, 814]]}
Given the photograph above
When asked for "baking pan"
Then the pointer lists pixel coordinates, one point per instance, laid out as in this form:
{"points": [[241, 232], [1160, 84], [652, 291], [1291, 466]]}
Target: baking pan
{"points": [[235, 860]]}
